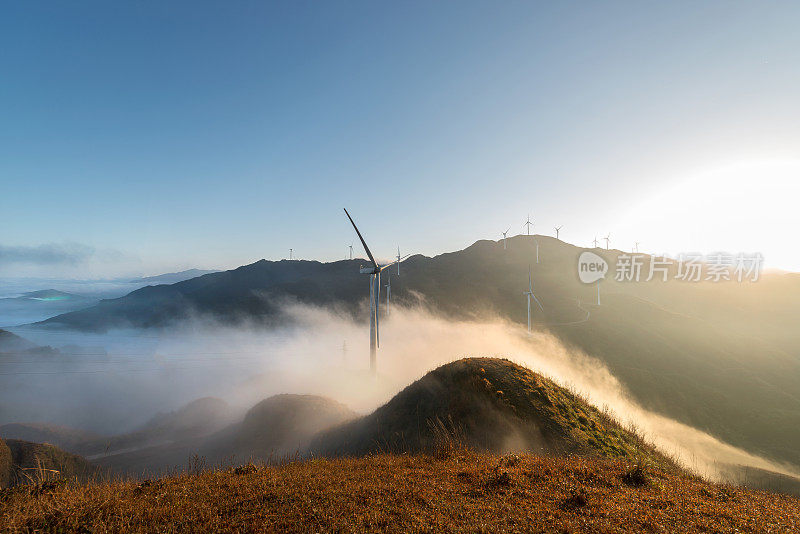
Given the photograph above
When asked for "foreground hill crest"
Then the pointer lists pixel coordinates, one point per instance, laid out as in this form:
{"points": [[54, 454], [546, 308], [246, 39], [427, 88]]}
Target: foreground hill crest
{"points": [[486, 404]]}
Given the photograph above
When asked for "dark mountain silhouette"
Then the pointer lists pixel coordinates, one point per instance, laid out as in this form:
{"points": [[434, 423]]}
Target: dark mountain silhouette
{"points": [[172, 278]]}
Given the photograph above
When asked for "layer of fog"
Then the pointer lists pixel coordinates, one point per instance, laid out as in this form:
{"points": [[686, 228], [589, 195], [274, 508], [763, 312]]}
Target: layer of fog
{"points": [[116, 382]]}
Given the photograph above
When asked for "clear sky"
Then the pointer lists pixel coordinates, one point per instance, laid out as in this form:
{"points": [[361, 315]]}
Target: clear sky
{"points": [[140, 137]]}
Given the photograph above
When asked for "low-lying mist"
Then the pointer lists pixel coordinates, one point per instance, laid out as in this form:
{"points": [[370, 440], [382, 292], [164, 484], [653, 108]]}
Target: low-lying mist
{"points": [[114, 383]]}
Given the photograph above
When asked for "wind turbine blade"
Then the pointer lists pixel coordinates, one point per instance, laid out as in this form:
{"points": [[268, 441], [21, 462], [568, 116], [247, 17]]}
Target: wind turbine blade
{"points": [[537, 302], [366, 248], [396, 261]]}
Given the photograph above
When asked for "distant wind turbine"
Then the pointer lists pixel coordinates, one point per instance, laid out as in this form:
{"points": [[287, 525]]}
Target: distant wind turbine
{"points": [[374, 272], [290, 254], [595, 241], [505, 234], [399, 259], [558, 229], [351, 251], [528, 223], [636, 247], [607, 238], [530, 295]]}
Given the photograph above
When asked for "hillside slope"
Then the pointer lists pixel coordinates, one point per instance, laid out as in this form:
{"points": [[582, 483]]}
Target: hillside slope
{"points": [[70, 439], [12, 343], [463, 493], [5, 464], [685, 350], [31, 462], [486, 404], [281, 425]]}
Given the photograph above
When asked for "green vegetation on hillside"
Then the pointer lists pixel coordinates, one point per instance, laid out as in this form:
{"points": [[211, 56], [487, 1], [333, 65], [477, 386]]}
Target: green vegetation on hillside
{"points": [[486, 404]]}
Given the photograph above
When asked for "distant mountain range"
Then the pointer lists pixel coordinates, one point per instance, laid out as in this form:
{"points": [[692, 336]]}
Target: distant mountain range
{"points": [[722, 357], [172, 278], [37, 305]]}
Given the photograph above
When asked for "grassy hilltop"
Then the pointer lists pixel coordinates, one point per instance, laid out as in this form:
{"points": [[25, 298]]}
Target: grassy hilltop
{"points": [[486, 404]]}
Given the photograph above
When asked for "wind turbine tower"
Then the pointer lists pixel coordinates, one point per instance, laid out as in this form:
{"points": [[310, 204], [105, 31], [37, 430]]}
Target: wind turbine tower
{"points": [[595, 241], [558, 229], [399, 259], [530, 295], [290, 254], [351, 251], [388, 293], [505, 234], [374, 272], [607, 239], [528, 223]]}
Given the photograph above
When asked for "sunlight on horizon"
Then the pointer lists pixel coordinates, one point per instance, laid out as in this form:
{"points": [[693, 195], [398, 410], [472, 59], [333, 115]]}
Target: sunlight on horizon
{"points": [[746, 206]]}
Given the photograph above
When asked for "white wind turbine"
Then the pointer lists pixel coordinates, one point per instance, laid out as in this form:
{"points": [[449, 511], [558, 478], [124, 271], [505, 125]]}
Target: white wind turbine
{"points": [[290, 254], [505, 234], [606, 238], [558, 229], [351, 250], [374, 272], [636, 247], [595, 241], [530, 296], [528, 223], [399, 259]]}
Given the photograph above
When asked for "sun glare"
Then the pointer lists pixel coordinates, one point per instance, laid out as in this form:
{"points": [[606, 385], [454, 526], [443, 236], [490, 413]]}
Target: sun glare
{"points": [[747, 206]]}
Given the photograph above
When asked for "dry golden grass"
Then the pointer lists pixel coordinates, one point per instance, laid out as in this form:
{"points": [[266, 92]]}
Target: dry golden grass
{"points": [[462, 492]]}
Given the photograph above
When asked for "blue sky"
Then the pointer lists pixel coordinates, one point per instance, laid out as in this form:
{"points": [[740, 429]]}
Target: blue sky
{"points": [[143, 137]]}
